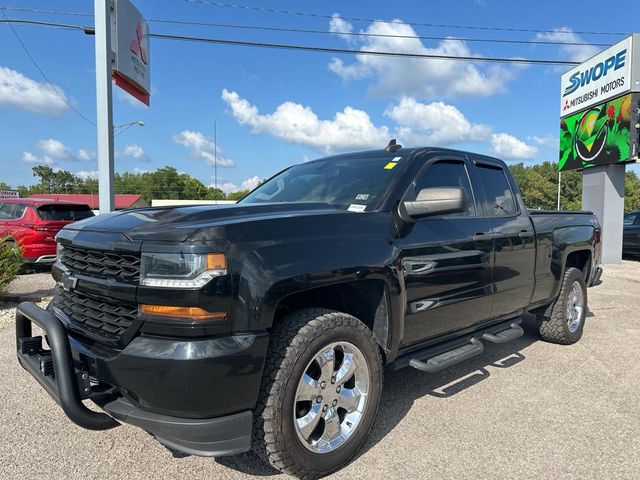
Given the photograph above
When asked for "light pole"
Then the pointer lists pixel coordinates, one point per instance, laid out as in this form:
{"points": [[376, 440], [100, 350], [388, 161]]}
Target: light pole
{"points": [[104, 110], [126, 126]]}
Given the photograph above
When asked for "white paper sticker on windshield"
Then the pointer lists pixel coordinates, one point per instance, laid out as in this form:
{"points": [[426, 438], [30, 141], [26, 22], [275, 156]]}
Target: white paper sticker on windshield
{"points": [[395, 159], [362, 196], [354, 207]]}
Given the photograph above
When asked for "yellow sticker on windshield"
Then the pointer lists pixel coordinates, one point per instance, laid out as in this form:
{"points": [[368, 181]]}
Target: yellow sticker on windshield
{"points": [[390, 165]]}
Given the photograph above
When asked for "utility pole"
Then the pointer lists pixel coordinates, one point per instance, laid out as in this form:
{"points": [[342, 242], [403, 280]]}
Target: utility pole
{"points": [[104, 109], [215, 155]]}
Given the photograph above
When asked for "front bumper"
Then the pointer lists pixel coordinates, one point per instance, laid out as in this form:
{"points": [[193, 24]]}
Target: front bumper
{"points": [[144, 384]]}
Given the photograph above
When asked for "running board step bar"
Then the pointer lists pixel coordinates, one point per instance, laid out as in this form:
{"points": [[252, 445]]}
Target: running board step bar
{"points": [[446, 359], [511, 333], [440, 359]]}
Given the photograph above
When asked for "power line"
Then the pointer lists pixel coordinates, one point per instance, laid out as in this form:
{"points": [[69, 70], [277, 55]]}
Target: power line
{"points": [[315, 31], [53, 87], [312, 48], [374, 35], [64, 26], [372, 20]]}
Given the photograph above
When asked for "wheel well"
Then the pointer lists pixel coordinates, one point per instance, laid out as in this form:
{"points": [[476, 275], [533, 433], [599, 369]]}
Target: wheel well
{"points": [[364, 299], [581, 260]]}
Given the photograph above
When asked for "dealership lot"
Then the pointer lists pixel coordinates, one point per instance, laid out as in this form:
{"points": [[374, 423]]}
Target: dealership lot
{"points": [[523, 410]]}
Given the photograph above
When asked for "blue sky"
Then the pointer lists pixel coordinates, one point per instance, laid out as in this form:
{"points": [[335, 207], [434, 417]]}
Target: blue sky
{"points": [[274, 108]]}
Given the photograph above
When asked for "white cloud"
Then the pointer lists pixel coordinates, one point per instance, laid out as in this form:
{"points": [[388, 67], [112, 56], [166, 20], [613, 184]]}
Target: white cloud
{"points": [[415, 123], [435, 123], [17, 90], [550, 141], [29, 157], [294, 123], [202, 147], [339, 26], [509, 147], [134, 151], [575, 53], [229, 187], [85, 174], [52, 150], [418, 77], [251, 183], [84, 154]]}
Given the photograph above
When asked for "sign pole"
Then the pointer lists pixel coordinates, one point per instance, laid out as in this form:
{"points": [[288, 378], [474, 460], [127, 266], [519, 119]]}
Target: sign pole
{"points": [[104, 109], [559, 188]]}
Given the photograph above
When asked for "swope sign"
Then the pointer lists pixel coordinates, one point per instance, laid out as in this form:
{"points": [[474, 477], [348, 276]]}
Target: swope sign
{"points": [[609, 74], [130, 43], [9, 194]]}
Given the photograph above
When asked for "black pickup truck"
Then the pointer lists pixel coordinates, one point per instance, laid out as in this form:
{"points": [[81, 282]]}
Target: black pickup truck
{"points": [[267, 324]]}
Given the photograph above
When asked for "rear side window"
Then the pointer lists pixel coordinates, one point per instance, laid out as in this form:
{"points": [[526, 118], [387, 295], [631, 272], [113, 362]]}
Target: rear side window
{"points": [[68, 213], [447, 173], [499, 201], [11, 211]]}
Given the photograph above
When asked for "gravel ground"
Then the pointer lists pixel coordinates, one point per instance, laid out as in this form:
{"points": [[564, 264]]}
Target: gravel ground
{"points": [[525, 410], [36, 287]]}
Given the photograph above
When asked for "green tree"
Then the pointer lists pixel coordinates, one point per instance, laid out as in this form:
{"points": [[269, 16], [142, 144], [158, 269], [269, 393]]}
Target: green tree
{"points": [[237, 195]]}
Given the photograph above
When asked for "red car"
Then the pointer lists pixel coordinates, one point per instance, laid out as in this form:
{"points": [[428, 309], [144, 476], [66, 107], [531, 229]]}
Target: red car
{"points": [[33, 223]]}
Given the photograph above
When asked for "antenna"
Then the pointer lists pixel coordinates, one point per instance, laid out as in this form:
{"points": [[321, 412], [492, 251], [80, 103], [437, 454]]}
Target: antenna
{"points": [[392, 146], [215, 155]]}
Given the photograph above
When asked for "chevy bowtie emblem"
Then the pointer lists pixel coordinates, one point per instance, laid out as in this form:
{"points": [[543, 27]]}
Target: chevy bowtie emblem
{"points": [[69, 282], [136, 45]]}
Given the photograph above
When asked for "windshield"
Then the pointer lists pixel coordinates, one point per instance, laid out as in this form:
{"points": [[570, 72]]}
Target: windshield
{"points": [[352, 183]]}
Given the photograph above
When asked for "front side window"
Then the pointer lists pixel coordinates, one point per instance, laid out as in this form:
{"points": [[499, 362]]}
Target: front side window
{"points": [[499, 201], [630, 218], [446, 173]]}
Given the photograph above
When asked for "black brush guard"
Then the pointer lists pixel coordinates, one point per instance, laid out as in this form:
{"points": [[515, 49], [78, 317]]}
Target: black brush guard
{"points": [[54, 369]]}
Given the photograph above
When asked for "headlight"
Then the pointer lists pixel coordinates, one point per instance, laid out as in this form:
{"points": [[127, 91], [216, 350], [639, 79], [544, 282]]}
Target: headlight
{"points": [[59, 249], [181, 270]]}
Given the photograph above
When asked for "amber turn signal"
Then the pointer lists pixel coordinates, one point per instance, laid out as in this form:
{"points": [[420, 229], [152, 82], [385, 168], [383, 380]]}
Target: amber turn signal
{"points": [[216, 261], [195, 313]]}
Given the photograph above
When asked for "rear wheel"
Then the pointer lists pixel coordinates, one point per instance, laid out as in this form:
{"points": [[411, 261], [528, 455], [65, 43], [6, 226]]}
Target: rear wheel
{"points": [[564, 322], [320, 392]]}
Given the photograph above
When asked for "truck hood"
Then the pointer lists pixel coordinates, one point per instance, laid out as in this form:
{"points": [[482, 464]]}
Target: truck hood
{"points": [[177, 224]]}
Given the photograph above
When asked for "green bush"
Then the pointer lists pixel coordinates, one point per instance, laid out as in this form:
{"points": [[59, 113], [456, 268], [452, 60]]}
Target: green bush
{"points": [[10, 264]]}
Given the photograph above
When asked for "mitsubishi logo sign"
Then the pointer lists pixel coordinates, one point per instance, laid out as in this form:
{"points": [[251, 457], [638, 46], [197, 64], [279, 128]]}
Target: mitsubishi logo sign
{"points": [[130, 44], [136, 45]]}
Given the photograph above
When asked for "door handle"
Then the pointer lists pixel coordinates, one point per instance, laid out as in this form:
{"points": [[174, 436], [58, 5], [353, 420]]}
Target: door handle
{"points": [[414, 267], [525, 234], [478, 237]]}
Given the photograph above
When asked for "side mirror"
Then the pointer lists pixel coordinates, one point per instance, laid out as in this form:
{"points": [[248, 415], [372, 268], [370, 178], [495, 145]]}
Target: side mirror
{"points": [[437, 201]]}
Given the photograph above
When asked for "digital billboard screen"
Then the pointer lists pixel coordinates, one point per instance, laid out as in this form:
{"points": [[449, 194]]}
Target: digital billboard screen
{"points": [[600, 135]]}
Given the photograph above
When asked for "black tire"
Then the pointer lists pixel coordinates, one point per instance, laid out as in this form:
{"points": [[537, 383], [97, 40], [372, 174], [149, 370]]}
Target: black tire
{"points": [[555, 326], [293, 344]]}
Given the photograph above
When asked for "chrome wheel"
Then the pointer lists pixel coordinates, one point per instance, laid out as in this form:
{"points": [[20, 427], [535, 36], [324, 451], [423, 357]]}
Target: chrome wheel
{"points": [[331, 397], [575, 307]]}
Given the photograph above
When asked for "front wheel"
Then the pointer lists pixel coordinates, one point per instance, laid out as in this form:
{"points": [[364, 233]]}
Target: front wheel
{"points": [[565, 321], [320, 392]]}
